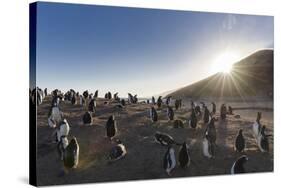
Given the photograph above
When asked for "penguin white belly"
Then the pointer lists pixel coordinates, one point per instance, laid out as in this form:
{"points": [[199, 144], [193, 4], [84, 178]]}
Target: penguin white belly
{"points": [[51, 123], [232, 168], [259, 140], [56, 115], [206, 148], [76, 157], [171, 165], [256, 130], [63, 131]]}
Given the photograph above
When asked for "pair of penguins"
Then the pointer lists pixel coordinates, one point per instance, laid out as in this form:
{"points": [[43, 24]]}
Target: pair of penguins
{"points": [[88, 116], [119, 150], [68, 151], [169, 161]]}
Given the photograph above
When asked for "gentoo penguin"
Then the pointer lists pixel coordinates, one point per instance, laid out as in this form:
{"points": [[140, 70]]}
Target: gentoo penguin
{"points": [[92, 105], [147, 101], [193, 119], [263, 140], [63, 130], [178, 123], [153, 114], [130, 98], [87, 118], [81, 100], [135, 99], [223, 111], [170, 113], [45, 92], [159, 101], [55, 116], [73, 100], [230, 110], [238, 165], [109, 95], [257, 126], [211, 131], [197, 110], [106, 96], [111, 127], [184, 157], [117, 152], [177, 104], [61, 146], [164, 139], [169, 160], [71, 154], [153, 101], [123, 102], [214, 108], [86, 94], [206, 115], [208, 147], [168, 100], [240, 141], [115, 96], [96, 94]]}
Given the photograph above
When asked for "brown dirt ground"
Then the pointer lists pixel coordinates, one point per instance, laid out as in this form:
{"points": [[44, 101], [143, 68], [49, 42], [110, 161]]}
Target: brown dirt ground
{"points": [[145, 157]]}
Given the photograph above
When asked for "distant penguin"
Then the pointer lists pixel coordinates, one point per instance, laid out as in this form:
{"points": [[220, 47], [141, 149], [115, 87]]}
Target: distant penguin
{"points": [[123, 102], [192, 105], [164, 139], [106, 96], [86, 94], [87, 118], [117, 152], [92, 105], [170, 113], [240, 141], [238, 165], [257, 126], [223, 112], [193, 119], [211, 131], [230, 110], [153, 114], [115, 96], [55, 116], [45, 92], [135, 99], [178, 123], [111, 127], [73, 100], [109, 95], [159, 102], [208, 147], [168, 100], [177, 104], [206, 115], [147, 101], [80, 100], [198, 110], [96, 95], [214, 108], [71, 154], [263, 140], [184, 157], [169, 162], [153, 101]]}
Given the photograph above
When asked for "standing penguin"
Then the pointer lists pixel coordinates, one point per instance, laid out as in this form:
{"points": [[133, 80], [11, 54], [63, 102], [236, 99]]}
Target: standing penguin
{"points": [[177, 104], [71, 154], [238, 165], [240, 141], [96, 94], [109, 95], [193, 119], [211, 131], [170, 113], [184, 157], [153, 100], [208, 147], [111, 127], [73, 100], [153, 114], [61, 146], [214, 108], [87, 118], [123, 102], [45, 92], [169, 160], [223, 111], [257, 126], [206, 115], [263, 140], [92, 105], [178, 123], [117, 152], [168, 100], [159, 101]]}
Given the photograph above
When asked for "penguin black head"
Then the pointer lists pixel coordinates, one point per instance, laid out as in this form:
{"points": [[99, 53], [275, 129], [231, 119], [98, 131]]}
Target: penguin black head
{"points": [[118, 141], [242, 159], [240, 132], [73, 142]]}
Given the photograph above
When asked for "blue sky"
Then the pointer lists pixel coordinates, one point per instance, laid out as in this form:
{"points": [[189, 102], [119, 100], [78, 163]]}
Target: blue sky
{"points": [[143, 51]]}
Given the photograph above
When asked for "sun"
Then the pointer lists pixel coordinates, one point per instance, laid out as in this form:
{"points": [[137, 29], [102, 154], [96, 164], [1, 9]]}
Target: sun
{"points": [[223, 62]]}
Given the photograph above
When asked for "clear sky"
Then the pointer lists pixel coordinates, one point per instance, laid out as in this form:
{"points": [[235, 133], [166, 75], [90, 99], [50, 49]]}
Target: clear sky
{"points": [[142, 51]]}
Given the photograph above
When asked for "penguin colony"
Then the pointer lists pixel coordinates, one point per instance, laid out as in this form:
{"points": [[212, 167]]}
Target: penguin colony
{"points": [[68, 147]]}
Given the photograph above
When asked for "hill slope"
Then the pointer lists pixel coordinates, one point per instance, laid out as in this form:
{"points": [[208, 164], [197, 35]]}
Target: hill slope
{"points": [[252, 76]]}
